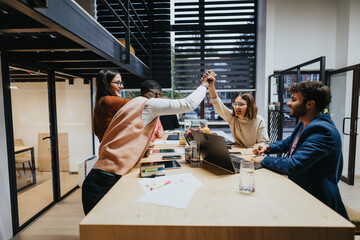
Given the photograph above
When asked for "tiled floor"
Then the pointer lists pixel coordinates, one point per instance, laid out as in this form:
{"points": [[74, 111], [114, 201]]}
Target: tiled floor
{"points": [[62, 221]]}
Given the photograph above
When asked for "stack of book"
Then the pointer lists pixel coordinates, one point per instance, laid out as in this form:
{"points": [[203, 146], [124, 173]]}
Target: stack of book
{"points": [[152, 169]]}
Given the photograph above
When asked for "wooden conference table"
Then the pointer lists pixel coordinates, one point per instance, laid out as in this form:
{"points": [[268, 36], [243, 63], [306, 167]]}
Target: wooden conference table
{"points": [[31, 162], [278, 209]]}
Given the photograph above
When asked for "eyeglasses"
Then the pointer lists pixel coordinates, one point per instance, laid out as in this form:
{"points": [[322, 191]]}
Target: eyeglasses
{"points": [[119, 83], [239, 105]]}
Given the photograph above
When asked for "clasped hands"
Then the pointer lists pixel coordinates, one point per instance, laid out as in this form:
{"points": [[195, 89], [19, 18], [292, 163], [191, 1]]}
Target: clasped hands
{"points": [[208, 78], [259, 150]]}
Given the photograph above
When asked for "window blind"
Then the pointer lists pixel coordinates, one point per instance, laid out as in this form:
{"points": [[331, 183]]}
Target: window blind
{"points": [[215, 34]]}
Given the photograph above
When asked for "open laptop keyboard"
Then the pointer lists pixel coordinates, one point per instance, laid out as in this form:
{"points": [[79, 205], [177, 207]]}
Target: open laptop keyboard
{"points": [[236, 161], [236, 165]]}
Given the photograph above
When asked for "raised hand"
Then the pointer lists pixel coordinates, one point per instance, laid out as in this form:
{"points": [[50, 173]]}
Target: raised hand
{"points": [[208, 78]]}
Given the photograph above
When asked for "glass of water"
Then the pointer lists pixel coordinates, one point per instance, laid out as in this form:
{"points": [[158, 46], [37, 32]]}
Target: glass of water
{"points": [[195, 154], [247, 177]]}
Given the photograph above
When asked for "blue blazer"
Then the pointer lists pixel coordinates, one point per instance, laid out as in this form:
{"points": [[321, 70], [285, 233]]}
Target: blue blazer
{"points": [[316, 163]]}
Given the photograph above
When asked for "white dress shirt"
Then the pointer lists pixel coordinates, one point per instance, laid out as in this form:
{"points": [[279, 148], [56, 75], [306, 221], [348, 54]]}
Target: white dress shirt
{"points": [[159, 106]]}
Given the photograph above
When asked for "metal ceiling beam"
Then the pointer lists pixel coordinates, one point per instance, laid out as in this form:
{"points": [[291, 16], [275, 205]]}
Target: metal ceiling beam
{"points": [[74, 61], [25, 30], [78, 26], [80, 65], [17, 80], [48, 50], [59, 56], [38, 44]]}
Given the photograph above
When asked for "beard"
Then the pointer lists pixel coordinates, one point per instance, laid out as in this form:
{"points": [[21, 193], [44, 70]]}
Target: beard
{"points": [[299, 111]]}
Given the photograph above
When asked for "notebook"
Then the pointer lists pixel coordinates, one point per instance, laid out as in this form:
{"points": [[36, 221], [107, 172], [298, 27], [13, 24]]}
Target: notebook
{"points": [[213, 150]]}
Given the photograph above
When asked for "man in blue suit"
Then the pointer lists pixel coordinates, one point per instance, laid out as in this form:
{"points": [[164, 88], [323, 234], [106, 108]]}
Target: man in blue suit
{"points": [[314, 157]]}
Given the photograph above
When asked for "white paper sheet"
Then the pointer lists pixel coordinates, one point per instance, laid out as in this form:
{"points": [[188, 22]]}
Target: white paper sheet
{"points": [[173, 191]]}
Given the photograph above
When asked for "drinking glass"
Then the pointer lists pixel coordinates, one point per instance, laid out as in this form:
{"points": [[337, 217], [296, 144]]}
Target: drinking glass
{"points": [[195, 154], [182, 140], [247, 177], [188, 153]]}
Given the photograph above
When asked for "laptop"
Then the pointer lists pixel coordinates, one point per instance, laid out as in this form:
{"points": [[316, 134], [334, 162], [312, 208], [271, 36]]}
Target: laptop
{"points": [[213, 150]]}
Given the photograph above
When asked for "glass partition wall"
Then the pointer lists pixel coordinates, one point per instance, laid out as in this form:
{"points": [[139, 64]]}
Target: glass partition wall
{"points": [[280, 123], [344, 107], [344, 84], [49, 135], [30, 114]]}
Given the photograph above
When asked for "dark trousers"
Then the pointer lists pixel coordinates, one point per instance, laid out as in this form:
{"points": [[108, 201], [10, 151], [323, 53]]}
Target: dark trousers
{"points": [[96, 184]]}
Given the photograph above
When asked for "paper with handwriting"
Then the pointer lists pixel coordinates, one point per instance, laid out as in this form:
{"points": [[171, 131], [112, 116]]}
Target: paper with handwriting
{"points": [[173, 191]]}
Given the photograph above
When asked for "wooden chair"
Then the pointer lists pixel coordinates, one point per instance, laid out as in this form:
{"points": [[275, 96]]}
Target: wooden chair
{"points": [[22, 157], [354, 216]]}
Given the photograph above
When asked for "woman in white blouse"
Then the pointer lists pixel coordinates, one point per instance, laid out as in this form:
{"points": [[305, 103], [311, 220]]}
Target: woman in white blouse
{"points": [[247, 127]]}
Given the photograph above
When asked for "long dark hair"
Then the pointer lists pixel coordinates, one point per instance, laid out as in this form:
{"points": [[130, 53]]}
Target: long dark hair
{"points": [[252, 109], [103, 79]]}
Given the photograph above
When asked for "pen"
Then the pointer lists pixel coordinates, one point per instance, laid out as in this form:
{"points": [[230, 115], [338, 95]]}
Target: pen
{"points": [[166, 183]]}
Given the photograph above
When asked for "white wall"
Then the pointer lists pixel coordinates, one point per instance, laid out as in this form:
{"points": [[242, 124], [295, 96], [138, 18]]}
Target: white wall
{"points": [[299, 31], [260, 59], [354, 33], [5, 206], [342, 33]]}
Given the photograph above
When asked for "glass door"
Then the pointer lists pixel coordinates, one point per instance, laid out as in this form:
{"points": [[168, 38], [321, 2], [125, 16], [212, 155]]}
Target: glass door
{"points": [[32, 148], [280, 124], [49, 133], [73, 107], [344, 85]]}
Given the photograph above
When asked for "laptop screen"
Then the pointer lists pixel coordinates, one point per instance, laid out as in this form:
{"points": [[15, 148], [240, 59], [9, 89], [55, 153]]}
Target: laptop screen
{"points": [[213, 149]]}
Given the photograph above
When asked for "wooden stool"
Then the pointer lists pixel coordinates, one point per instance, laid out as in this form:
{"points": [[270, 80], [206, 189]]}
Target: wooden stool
{"points": [[354, 216]]}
